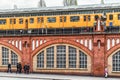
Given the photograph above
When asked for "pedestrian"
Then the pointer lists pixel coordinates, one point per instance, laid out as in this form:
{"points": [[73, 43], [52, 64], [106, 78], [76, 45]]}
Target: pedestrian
{"points": [[106, 72], [28, 68], [9, 68], [20, 67], [25, 68]]}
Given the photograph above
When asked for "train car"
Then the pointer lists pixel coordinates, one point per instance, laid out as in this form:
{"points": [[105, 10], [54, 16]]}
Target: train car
{"points": [[59, 17]]}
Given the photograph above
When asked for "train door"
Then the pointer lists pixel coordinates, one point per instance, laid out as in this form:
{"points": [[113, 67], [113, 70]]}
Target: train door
{"points": [[62, 21], [26, 24]]}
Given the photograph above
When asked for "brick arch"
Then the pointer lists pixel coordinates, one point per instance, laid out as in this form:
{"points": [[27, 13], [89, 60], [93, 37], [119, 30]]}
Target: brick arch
{"points": [[12, 48], [62, 41], [113, 49]]}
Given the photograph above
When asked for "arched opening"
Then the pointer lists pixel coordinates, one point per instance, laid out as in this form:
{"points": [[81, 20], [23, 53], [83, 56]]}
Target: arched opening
{"points": [[99, 44], [59, 58], [114, 63], [8, 55]]}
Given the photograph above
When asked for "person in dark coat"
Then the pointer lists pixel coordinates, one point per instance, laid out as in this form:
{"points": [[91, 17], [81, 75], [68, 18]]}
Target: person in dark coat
{"points": [[20, 67], [28, 68], [9, 68], [25, 68]]}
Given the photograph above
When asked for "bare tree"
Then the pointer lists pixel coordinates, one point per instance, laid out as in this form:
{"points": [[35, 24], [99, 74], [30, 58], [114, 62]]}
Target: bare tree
{"points": [[41, 3]]}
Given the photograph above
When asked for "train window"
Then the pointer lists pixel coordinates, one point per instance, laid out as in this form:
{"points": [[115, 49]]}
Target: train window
{"points": [[74, 18], [118, 16], [96, 17], [51, 19], [10, 21], [2, 21], [31, 20], [62, 18], [40, 20], [89, 18], [85, 19], [14, 21], [110, 17], [20, 21]]}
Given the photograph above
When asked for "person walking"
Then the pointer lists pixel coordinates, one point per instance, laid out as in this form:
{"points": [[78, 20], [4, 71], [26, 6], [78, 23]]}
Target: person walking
{"points": [[20, 67], [9, 68], [25, 68], [106, 72], [28, 68]]}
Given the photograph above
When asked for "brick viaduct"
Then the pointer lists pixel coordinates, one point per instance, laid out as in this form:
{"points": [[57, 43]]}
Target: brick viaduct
{"points": [[27, 46]]}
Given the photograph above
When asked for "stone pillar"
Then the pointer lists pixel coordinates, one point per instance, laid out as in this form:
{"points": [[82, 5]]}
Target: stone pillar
{"points": [[26, 48], [99, 51]]}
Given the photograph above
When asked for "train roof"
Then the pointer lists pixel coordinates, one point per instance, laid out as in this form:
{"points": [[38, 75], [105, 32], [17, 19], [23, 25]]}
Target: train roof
{"points": [[61, 8]]}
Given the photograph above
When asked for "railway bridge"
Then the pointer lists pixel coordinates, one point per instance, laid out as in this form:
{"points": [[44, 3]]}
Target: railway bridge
{"points": [[81, 52]]}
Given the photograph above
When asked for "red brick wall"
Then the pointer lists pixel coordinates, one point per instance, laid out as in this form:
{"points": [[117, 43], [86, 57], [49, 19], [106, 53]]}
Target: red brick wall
{"points": [[98, 56], [98, 63]]}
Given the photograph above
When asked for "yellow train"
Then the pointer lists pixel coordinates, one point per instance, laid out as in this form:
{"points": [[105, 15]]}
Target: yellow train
{"points": [[58, 17]]}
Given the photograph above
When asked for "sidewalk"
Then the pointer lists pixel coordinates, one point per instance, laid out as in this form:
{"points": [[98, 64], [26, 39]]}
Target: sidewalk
{"points": [[52, 77]]}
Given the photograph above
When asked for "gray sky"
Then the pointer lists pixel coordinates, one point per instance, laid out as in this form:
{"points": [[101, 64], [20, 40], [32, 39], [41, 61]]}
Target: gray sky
{"points": [[8, 4]]}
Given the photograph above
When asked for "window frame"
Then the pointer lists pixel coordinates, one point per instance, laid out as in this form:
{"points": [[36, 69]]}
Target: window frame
{"points": [[3, 21], [31, 20], [21, 21], [118, 16], [50, 57], [51, 19], [115, 62], [74, 18], [111, 17], [72, 57], [40, 19], [62, 18], [40, 60]]}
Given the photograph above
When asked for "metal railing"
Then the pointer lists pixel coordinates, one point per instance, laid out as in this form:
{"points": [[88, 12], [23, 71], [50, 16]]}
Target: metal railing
{"points": [[58, 31]]}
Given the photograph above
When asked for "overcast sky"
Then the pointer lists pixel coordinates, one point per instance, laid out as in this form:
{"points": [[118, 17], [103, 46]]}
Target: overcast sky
{"points": [[8, 4]]}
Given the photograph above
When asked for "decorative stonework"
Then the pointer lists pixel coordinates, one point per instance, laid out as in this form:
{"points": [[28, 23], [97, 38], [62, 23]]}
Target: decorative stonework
{"points": [[112, 42], [86, 42], [37, 43], [16, 43]]}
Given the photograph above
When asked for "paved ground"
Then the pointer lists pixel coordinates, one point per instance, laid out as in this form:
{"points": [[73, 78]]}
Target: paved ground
{"points": [[14, 76]]}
